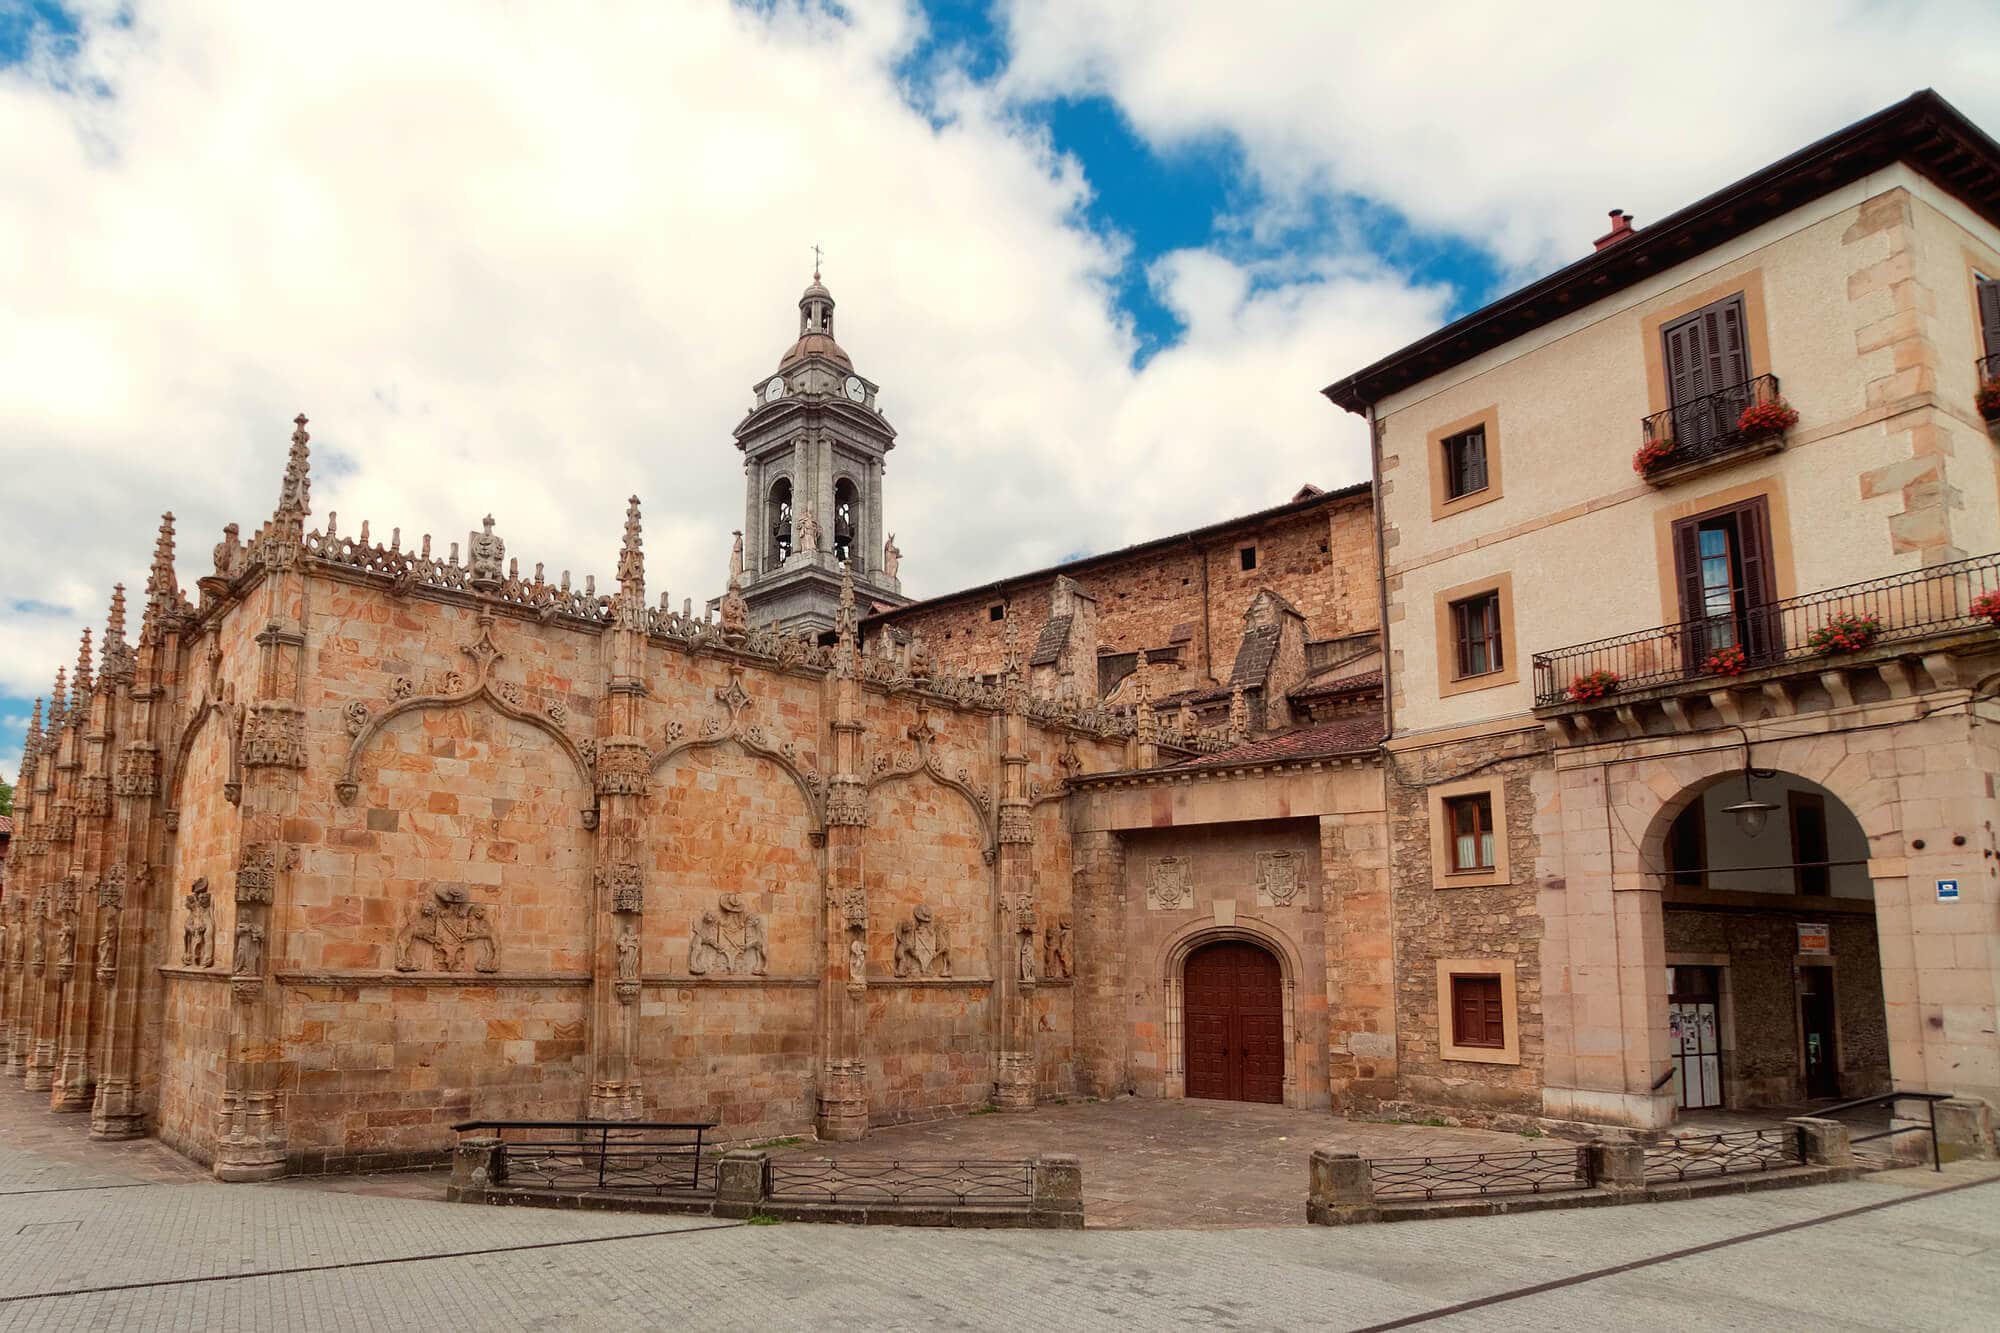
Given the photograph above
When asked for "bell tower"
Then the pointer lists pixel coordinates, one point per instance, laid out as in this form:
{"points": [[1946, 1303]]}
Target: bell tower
{"points": [[814, 445]]}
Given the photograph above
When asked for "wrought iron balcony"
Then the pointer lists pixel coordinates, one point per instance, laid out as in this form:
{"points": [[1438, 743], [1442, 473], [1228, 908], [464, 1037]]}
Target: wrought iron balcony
{"points": [[1705, 429], [1904, 608]]}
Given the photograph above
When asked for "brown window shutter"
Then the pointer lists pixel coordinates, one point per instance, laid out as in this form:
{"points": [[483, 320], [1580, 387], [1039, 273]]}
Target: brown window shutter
{"points": [[1496, 1023], [1989, 314], [1687, 564]]}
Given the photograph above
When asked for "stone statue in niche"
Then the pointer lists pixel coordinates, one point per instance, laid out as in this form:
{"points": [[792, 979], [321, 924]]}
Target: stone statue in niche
{"points": [[857, 957], [38, 951], [730, 939], [453, 928], [249, 961], [806, 536], [66, 939], [198, 934], [628, 954], [1055, 943], [107, 943], [892, 557], [1027, 953], [922, 949]]}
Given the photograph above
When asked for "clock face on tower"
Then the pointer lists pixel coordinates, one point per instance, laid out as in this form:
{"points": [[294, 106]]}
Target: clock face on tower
{"points": [[856, 390], [775, 389]]}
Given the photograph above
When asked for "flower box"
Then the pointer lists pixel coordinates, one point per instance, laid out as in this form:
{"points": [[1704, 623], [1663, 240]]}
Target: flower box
{"points": [[1592, 685], [1651, 456], [1846, 634], [1728, 661], [1768, 418], [1988, 399], [1987, 604]]}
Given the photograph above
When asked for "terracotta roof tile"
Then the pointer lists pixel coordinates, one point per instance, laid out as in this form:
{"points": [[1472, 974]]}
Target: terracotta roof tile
{"points": [[1354, 735], [1355, 684]]}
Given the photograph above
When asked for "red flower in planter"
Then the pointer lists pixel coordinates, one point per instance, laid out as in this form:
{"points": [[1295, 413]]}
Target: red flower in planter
{"points": [[1988, 399], [1728, 661], [1767, 418], [1848, 633], [1651, 456], [1987, 604], [1592, 685]]}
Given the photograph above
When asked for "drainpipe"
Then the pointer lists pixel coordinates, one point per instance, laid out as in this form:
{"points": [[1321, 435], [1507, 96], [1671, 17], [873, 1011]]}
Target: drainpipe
{"points": [[1381, 573]]}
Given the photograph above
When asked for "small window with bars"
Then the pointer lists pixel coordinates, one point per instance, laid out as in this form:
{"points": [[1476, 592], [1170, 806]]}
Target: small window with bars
{"points": [[1477, 1016], [1471, 830], [1475, 623], [1464, 463]]}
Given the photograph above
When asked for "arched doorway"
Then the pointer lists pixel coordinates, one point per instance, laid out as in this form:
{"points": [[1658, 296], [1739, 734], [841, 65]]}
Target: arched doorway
{"points": [[1235, 1023], [1774, 982]]}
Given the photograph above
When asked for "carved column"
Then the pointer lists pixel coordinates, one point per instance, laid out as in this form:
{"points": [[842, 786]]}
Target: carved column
{"points": [[251, 1132], [624, 763], [843, 1080], [25, 871], [140, 914], [84, 1002], [1016, 920], [59, 877]]}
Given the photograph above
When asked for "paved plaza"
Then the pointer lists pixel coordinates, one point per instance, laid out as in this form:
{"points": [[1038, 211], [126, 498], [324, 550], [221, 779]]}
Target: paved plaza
{"points": [[129, 1236]]}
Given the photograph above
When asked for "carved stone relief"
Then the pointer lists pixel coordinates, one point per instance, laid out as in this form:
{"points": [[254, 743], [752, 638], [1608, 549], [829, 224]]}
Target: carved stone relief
{"points": [[249, 959], [624, 882], [257, 876], [453, 929], [727, 939], [1280, 879], [922, 946], [1055, 949], [1171, 889], [198, 934], [627, 980]]}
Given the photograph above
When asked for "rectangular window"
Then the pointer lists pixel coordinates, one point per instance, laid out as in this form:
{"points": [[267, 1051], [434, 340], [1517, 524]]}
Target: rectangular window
{"points": [[1247, 557], [1810, 872], [1707, 358], [1989, 320], [1464, 462], [1475, 623], [1722, 560], [1476, 1014], [996, 613], [1471, 831]]}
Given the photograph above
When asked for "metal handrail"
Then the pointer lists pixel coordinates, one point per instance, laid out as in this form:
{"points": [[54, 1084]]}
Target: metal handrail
{"points": [[1708, 426], [616, 1153], [1890, 1099], [1914, 605]]}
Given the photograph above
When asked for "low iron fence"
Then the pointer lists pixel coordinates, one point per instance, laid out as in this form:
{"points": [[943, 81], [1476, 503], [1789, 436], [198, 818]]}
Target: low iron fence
{"points": [[624, 1156], [1729, 1153], [1934, 600], [883, 1181], [1481, 1174]]}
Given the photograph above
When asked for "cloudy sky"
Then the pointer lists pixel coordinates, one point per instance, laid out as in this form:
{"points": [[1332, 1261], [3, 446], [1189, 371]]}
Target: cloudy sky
{"points": [[510, 257]]}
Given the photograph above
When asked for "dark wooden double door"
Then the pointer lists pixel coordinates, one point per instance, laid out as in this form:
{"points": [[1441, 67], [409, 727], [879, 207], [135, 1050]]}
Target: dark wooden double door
{"points": [[1234, 1011]]}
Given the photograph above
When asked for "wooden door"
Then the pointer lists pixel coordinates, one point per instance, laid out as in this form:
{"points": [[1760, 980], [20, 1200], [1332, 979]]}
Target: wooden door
{"points": [[1233, 1011], [1822, 1061]]}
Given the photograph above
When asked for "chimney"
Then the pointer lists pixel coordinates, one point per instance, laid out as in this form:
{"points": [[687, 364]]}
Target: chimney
{"points": [[1621, 229]]}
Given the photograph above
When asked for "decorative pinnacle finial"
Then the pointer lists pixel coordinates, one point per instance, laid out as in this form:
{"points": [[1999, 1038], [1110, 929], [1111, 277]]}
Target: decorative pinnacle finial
{"points": [[79, 685], [295, 496], [162, 589], [631, 559], [32, 743], [117, 654], [58, 700], [817, 254]]}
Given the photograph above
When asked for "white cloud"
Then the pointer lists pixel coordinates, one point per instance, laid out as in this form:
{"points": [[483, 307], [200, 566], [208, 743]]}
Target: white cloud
{"points": [[1518, 125], [529, 266]]}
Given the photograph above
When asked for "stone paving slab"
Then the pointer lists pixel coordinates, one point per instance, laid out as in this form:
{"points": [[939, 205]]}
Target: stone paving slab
{"points": [[1928, 1264], [1156, 1163]]}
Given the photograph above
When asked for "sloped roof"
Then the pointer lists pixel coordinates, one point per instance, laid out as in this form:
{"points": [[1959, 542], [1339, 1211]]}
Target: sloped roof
{"points": [[1254, 656], [1051, 641], [1354, 684], [1351, 735]]}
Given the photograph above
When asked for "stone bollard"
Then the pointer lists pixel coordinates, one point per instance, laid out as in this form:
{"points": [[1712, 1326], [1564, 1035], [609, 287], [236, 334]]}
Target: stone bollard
{"points": [[1058, 1198], [1964, 1129], [1823, 1142], [1339, 1188], [742, 1182], [477, 1165], [1617, 1165]]}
